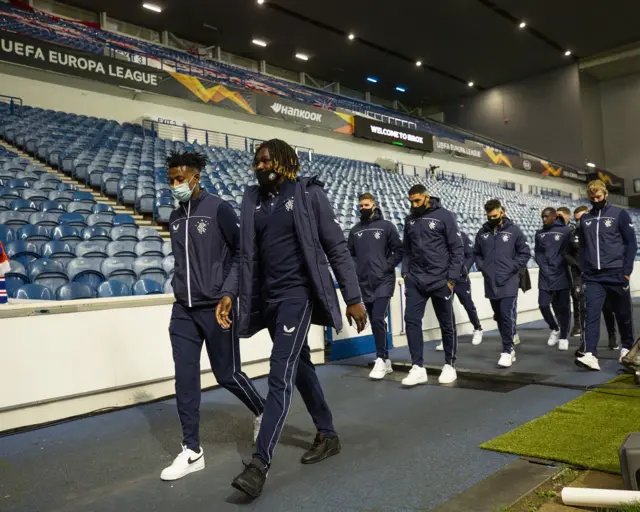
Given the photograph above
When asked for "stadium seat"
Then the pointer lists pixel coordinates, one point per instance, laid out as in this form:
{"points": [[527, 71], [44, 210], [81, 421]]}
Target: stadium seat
{"points": [[13, 219], [95, 233], [47, 272], [149, 234], [37, 235], [59, 251], [34, 292], [105, 220], [75, 220], [80, 207], [15, 278], [168, 286], [120, 269], [86, 271], [149, 248], [66, 234], [124, 233], [75, 291], [22, 205], [92, 250], [7, 234], [122, 219], [24, 252], [150, 267], [167, 250], [48, 219], [114, 288], [147, 287], [168, 265], [47, 206], [125, 249]]}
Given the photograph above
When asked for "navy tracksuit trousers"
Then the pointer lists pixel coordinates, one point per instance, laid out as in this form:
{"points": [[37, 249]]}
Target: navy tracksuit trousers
{"points": [[619, 295], [378, 311], [288, 322], [414, 312], [609, 318], [463, 292], [189, 328], [504, 311], [561, 302]]}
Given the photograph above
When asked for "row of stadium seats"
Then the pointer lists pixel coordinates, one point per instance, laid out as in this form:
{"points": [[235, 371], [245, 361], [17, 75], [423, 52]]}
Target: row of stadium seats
{"points": [[40, 233], [78, 291]]}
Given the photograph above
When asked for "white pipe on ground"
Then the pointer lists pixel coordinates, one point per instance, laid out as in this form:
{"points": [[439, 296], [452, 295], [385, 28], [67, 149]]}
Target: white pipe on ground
{"points": [[598, 497]]}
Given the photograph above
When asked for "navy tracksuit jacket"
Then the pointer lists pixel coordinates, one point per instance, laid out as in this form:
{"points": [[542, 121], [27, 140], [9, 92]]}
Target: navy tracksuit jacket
{"points": [[500, 254], [307, 213], [205, 240], [554, 278], [376, 248], [433, 255], [463, 284], [608, 248]]}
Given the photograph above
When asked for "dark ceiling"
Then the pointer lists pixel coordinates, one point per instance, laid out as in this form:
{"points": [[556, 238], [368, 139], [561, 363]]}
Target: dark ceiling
{"points": [[457, 40]]}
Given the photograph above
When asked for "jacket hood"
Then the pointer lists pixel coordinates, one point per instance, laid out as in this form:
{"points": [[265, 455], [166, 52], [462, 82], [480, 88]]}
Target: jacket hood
{"points": [[377, 215], [434, 204], [506, 222], [558, 223]]}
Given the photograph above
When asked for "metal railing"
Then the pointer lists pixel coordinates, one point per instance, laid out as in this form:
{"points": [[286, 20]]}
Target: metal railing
{"points": [[15, 104]]}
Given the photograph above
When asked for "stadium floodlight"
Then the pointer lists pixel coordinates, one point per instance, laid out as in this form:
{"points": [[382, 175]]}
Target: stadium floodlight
{"points": [[152, 7], [372, 80], [522, 24], [352, 36], [591, 164], [399, 88], [259, 42], [470, 84], [419, 63], [302, 56], [567, 53], [260, 2]]}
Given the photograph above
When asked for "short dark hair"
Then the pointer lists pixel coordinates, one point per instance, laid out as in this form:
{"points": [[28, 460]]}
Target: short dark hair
{"points": [[564, 209], [367, 196], [549, 209], [192, 159], [418, 188], [492, 204], [579, 209]]}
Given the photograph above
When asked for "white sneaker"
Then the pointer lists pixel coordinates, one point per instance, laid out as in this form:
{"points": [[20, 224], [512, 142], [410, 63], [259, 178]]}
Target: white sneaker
{"points": [[417, 375], [257, 423], [440, 347], [563, 345], [553, 338], [516, 339], [187, 462], [588, 361], [623, 352], [380, 369], [448, 375], [506, 360], [477, 337]]}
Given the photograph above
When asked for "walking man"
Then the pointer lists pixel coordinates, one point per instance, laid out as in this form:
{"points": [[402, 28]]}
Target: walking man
{"points": [[607, 253], [431, 267], [288, 238], [554, 283], [205, 240], [501, 250], [377, 249]]}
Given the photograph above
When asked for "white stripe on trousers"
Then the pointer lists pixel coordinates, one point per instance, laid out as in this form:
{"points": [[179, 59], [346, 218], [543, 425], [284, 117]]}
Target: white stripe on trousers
{"points": [[233, 358], [285, 407]]}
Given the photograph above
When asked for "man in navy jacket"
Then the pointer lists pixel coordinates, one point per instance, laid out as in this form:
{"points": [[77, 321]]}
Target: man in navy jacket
{"points": [[554, 280], [431, 267], [608, 248], [205, 240], [288, 238], [377, 249], [501, 251]]}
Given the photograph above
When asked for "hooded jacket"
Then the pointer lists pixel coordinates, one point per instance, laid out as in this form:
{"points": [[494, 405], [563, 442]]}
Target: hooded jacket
{"points": [[204, 238], [376, 248], [322, 243], [433, 251], [608, 244], [550, 248], [500, 254]]}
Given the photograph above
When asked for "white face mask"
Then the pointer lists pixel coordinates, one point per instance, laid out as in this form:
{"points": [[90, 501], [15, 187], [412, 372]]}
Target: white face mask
{"points": [[182, 192]]}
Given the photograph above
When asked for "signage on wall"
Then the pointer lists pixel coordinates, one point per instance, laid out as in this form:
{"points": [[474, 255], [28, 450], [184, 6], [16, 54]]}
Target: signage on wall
{"points": [[371, 129], [615, 184]]}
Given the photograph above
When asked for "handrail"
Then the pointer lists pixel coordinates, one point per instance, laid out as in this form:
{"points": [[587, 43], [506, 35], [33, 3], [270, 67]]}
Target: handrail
{"points": [[15, 104]]}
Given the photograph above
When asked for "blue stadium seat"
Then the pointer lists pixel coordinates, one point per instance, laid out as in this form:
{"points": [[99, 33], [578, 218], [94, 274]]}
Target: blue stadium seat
{"points": [[66, 234], [59, 251], [46, 206], [85, 197], [167, 250], [147, 287], [125, 248], [113, 288], [47, 272], [103, 209], [75, 291], [95, 233], [149, 234], [120, 269], [22, 205], [149, 248], [104, 220], [124, 233], [150, 267], [13, 219], [75, 220], [86, 271], [123, 219], [35, 234], [24, 252], [15, 278], [7, 234], [34, 292], [168, 286], [168, 265], [80, 207], [96, 249], [49, 219]]}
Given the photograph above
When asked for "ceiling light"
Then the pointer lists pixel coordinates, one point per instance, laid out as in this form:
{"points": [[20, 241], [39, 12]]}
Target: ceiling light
{"points": [[470, 84], [302, 56], [419, 63], [399, 88], [152, 7], [591, 164], [372, 80], [522, 24], [352, 36], [260, 2], [567, 53], [259, 42]]}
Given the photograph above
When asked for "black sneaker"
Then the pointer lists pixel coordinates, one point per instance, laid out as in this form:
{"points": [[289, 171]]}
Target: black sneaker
{"points": [[579, 353], [251, 480], [323, 448], [575, 331], [613, 343]]}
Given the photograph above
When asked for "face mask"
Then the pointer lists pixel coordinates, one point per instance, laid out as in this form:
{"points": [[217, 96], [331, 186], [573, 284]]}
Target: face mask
{"points": [[182, 192], [417, 211], [495, 222], [266, 178], [599, 205], [365, 213]]}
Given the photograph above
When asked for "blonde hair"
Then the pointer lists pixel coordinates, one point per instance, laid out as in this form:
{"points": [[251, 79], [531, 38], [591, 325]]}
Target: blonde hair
{"points": [[596, 186]]}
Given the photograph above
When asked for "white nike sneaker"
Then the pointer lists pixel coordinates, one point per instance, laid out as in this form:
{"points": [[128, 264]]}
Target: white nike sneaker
{"points": [[187, 462], [623, 352], [563, 345], [477, 337], [380, 369], [440, 347], [257, 423], [506, 360], [553, 338], [417, 375], [448, 375], [516, 339], [588, 361]]}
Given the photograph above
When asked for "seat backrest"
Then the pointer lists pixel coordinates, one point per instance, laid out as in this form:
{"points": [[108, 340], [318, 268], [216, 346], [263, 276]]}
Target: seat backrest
{"points": [[7, 234], [167, 250], [122, 248], [124, 233], [149, 248], [79, 207], [117, 265], [72, 219], [75, 291], [103, 208], [96, 232], [66, 233], [114, 288], [34, 292], [147, 287], [168, 286], [17, 270], [100, 219], [122, 219], [79, 266], [168, 264], [44, 266], [46, 206], [92, 249], [56, 249], [144, 234], [34, 232], [21, 247], [13, 218]]}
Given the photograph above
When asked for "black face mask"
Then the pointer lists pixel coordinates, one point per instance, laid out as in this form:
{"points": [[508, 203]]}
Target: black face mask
{"points": [[494, 223], [547, 226], [599, 205], [418, 211], [365, 213], [267, 179]]}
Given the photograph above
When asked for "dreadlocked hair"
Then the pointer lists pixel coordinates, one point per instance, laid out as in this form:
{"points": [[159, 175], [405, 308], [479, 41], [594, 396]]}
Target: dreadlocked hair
{"points": [[283, 158], [191, 159]]}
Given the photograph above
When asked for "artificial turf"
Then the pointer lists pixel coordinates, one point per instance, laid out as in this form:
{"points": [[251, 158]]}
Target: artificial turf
{"points": [[585, 432]]}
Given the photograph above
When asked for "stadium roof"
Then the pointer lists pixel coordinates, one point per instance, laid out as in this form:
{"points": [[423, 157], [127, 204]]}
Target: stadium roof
{"points": [[457, 41]]}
